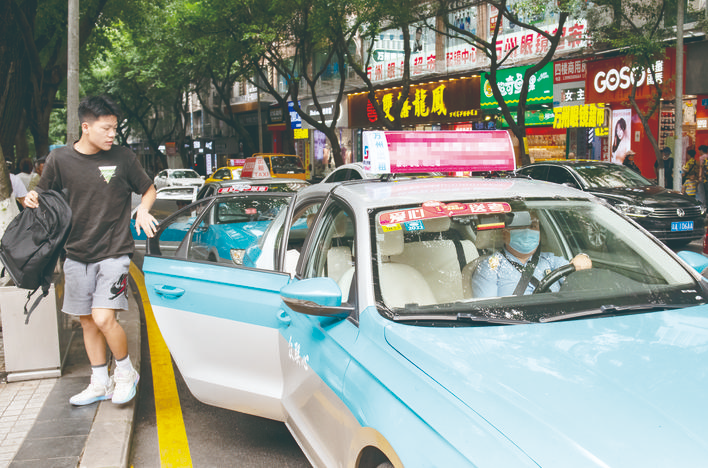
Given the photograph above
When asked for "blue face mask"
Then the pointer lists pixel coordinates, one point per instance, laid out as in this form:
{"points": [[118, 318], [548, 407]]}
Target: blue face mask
{"points": [[524, 241]]}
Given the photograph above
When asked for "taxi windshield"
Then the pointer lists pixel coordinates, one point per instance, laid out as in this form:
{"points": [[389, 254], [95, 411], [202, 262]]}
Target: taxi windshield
{"points": [[519, 261]]}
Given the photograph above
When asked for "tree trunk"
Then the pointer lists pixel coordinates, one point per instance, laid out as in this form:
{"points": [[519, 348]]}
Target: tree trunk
{"points": [[14, 79]]}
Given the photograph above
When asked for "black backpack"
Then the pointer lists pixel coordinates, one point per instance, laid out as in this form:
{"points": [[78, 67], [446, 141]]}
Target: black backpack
{"points": [[33, 242]]}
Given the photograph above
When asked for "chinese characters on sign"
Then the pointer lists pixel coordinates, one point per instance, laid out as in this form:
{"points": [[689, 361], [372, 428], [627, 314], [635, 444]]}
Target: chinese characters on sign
{"points": [[521, 45], [435, 209], [430, 102], [587, 115]]}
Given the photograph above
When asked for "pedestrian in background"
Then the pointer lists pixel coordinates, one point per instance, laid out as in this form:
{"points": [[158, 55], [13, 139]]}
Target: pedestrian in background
{"points": [[629, 161], [37, 173], [100, 178], [25, 173], [668, 163]]}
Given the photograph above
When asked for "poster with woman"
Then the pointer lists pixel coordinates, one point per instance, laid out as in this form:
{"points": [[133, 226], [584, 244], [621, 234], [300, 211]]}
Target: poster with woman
{"points": [[621, 134]]}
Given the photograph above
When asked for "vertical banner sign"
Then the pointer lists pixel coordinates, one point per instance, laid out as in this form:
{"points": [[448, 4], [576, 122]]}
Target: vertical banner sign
{"points": [[376, 158]]}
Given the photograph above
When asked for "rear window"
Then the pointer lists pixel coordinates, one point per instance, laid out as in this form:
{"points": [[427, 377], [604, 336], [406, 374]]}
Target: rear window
{"points": [[285, 165]]}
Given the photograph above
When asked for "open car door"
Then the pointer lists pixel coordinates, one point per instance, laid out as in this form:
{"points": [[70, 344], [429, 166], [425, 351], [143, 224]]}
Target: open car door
{"points": [[210, 272]]}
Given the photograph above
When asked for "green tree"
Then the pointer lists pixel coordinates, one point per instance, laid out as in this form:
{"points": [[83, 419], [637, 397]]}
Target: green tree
{"points": [[643, 30], [520, 14], [139, 67]]}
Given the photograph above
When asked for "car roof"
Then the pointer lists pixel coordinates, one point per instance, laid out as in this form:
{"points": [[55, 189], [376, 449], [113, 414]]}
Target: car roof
{"points": [[573, 162], [266, 181], [363, 194]]}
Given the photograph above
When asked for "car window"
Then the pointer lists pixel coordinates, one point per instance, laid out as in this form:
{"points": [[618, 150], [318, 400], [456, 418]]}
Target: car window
{"points": [[172, 232], [229, 232], [561, 175], [303, 220], [535, 172], [465, 264], [610, 176], [332, 251]]}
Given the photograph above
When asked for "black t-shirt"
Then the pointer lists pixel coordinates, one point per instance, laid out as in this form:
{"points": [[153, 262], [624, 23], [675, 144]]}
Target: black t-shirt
{"points": [[100, 187]]}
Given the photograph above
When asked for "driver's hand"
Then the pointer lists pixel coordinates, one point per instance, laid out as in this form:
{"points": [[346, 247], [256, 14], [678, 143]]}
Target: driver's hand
{"points": [[581, 262]]}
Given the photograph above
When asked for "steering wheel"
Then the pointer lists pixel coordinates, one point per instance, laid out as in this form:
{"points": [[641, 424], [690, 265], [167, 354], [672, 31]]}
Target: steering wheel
{"points": [[554, 276]]}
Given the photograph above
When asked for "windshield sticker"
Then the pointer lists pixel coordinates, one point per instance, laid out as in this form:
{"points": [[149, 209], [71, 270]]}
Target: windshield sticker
{"points": [[435, 209], [497, 225], [392, 227], [243, 188], [414, 226]]}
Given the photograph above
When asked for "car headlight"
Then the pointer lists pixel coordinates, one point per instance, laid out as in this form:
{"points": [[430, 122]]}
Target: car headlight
{"points": [[237, 256], [634, 210], [703, 210]]}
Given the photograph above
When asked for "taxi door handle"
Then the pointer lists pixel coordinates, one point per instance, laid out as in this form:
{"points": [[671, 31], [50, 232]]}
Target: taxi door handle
{"points": [[284, 317], [168, 291]]}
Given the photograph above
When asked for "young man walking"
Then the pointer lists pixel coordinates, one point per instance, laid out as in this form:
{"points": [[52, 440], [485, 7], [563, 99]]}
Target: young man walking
{"points": [[100, 178]]}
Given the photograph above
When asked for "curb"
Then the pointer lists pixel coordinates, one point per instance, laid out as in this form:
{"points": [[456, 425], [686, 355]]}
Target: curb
{"points": [[108, 443]]}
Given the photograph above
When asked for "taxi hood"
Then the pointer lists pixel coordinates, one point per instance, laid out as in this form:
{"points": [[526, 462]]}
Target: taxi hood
{"points": [[614, 391]]}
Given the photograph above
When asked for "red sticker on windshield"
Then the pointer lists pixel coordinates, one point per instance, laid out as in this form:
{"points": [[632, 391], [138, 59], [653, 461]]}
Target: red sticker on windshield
{"points": [[243, 188], [435, 209]]}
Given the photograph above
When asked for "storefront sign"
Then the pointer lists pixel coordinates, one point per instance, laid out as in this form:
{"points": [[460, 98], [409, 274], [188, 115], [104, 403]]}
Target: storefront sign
{"points": [[295, 120], [531, 118], [520, 44], [510, 81], [300, 133], [587, 115], [435, 102], [611, 80], [565, 71]]}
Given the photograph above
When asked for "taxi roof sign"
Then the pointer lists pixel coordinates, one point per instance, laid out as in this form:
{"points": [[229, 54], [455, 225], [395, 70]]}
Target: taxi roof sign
{"points": [[255, 168], [437, 151]]}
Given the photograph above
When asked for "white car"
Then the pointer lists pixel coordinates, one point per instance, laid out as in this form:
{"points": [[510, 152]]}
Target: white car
{"points": [[172, 177], [355, 171]]}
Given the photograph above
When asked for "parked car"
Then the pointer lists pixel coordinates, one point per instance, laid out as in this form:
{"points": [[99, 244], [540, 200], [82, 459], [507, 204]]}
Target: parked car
{"points": [[168, 201], [248, 184], [171, 177], [376, 352], [225, 173], [669, 215], [355, 171]]}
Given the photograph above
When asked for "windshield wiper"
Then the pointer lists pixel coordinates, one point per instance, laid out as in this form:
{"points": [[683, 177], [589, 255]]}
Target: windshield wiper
{"points": [[460, 317], [613, 309]]}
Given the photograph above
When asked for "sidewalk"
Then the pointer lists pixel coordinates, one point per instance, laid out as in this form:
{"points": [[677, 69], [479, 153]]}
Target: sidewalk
{"points": [[38, 426]]}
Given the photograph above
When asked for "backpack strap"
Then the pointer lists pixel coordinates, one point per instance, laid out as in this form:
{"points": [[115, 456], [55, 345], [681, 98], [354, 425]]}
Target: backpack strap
{"points": [[45, 293]]}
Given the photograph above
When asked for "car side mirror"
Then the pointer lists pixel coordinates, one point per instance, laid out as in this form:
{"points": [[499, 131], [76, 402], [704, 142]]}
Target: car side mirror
{"points": [[315, 296], [695, 260]]}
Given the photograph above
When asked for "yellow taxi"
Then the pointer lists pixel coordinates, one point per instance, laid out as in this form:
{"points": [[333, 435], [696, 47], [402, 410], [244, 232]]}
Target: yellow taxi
{"points": [[225, 173], [284, 165]]}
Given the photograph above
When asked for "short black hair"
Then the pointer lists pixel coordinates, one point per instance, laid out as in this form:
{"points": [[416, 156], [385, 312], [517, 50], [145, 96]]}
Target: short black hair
{"points": [[93, 107], [666, 150], [703, 148]]}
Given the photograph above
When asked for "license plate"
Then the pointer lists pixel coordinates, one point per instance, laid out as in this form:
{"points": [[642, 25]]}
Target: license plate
{"points": [[682, 226]]}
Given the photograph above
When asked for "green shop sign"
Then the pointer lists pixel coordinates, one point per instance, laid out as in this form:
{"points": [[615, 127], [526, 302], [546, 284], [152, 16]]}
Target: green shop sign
{"points": [[531, 118], [510, 81]]}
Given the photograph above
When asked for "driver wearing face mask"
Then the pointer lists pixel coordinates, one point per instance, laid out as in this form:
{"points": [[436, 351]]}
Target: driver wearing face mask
{"points": [[520, 265]]}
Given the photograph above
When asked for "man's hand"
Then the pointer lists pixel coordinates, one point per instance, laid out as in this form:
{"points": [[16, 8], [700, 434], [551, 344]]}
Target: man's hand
{"points": [[582, 262], [145, 221], [31, 199]]}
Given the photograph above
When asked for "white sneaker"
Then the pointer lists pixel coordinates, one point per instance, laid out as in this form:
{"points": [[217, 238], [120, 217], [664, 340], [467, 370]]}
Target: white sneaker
{"points": [[94, 392], [126, 384]]}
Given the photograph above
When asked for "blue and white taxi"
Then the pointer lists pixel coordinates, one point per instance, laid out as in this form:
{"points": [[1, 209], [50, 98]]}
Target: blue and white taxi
{"points": [[356, 321]]}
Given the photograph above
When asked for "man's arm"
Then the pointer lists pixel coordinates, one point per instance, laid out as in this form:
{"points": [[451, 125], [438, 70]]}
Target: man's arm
{"points": [[143, 219], [484, 279]]}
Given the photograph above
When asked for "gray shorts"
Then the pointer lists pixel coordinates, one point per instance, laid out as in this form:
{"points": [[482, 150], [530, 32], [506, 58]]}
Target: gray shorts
{"points": [[100, 285]]}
